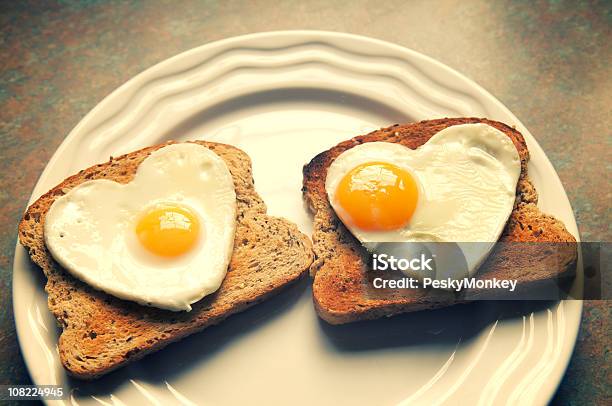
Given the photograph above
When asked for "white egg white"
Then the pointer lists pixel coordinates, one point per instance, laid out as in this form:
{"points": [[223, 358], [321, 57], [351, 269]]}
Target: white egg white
{"points": [[466, 175], [90, 231]]}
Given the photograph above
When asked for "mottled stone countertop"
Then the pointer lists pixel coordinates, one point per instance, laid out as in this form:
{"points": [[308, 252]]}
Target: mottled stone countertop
{"points": [[549, 62]]}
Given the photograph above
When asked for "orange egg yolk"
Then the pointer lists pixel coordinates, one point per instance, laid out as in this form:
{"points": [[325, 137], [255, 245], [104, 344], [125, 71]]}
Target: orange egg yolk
{"points": [[168, 231], [377, 196]]}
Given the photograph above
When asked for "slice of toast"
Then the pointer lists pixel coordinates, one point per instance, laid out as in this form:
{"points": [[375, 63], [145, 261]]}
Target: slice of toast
{"points": [[342, 290], [101, 333]]}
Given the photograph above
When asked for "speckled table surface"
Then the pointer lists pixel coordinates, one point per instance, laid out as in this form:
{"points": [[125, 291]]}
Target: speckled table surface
{"points": [[549, 62]]}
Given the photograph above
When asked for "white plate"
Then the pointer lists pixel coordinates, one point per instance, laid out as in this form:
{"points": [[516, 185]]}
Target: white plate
{"points": [[283, 97]]}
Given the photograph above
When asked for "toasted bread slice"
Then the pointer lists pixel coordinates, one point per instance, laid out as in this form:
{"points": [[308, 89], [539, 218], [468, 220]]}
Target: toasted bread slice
{"points": [[101, 333], [342, 289]]}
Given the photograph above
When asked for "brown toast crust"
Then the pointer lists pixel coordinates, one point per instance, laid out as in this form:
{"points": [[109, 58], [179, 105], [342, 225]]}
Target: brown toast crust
{"points": [[101, 333], [341, 289]]}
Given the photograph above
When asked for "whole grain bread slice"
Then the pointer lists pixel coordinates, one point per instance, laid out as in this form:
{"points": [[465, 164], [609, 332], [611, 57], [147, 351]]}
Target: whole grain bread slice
{"points": [[101, 333], [342, 289]]}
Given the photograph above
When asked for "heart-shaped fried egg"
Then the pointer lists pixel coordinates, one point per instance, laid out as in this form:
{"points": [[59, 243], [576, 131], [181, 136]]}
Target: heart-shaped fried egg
{"points": [[164, 239], [458, 187]]}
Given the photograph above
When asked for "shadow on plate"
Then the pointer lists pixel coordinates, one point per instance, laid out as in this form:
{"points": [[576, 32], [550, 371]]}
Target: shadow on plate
{"points": [[445, 326]]}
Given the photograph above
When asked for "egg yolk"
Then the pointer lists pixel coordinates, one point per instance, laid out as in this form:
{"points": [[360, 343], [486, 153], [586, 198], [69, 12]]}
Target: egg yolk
{"points": [[377, 196], [168, 231]]}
